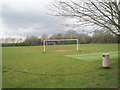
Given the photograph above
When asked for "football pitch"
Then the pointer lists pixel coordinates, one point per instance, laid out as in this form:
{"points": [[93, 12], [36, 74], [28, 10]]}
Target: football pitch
{"points": [[30, 67]]}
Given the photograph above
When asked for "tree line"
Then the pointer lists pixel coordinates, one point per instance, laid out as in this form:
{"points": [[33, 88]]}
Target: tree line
{"points": [[98, 36]]}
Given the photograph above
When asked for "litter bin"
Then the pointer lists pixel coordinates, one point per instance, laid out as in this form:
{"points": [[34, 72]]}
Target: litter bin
{"points": [[106, 61]]}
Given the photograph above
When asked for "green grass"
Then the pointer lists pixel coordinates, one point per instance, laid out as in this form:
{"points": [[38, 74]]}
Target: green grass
{"points": [[80, 71]]}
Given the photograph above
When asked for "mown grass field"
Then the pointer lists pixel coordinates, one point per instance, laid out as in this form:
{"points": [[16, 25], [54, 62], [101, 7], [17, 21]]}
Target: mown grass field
{"points": [[30, 67]]}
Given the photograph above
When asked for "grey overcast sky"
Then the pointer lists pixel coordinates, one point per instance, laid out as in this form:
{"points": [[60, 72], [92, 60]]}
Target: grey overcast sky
{"points": [[21, 18]]}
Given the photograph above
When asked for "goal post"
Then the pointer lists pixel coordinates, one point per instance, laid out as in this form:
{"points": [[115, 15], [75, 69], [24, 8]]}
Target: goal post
{"points": [[54, 40]]}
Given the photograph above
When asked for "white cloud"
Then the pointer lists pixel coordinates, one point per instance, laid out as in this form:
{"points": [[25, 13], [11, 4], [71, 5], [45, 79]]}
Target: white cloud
{"points": [[25, 5], [23, 18], [27, 18]]}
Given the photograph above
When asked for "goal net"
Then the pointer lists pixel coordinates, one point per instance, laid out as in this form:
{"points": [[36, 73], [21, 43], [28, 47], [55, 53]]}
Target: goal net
{"points": [[60, 45]]}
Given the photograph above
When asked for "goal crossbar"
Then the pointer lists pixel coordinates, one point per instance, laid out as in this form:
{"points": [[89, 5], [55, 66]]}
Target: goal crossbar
{"points": [[44, 49]]}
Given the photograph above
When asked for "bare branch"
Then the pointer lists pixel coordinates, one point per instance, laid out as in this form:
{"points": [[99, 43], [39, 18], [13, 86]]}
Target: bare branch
{"points": [[103, 14]]}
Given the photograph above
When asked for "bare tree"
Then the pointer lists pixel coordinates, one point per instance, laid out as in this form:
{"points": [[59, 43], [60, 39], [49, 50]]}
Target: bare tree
{"points": [[13, 40], [70, 34], [32, 41], [84, 38], [57, 36], [8, 40], [20, 40], [104, 37], [101, 13], [43, 37]]}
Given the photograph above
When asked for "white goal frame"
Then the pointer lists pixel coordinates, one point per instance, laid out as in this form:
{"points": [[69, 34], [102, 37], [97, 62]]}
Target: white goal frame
{"points": [[44, 42]]}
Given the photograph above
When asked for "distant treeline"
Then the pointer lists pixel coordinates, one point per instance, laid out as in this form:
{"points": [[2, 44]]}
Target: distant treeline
{"points": [[96, 37]]}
